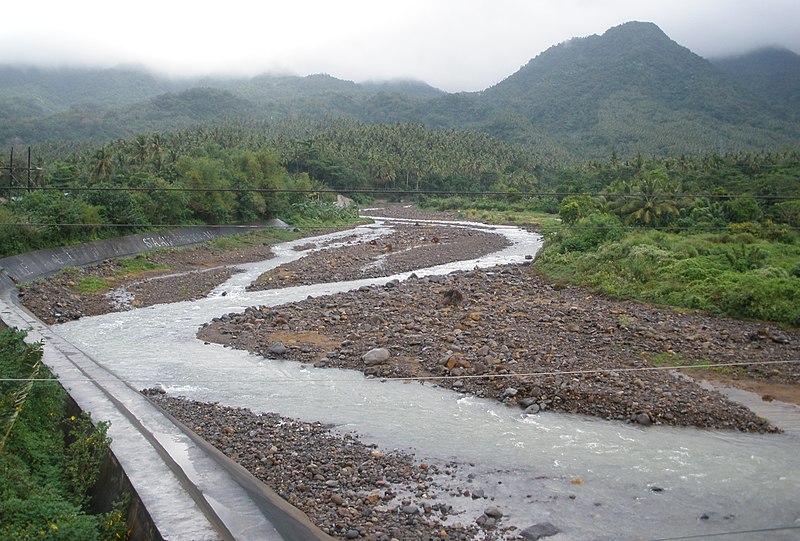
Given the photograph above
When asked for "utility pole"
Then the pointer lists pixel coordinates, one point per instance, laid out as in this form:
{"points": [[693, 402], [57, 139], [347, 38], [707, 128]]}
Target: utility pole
{"points": [[11, 171]]}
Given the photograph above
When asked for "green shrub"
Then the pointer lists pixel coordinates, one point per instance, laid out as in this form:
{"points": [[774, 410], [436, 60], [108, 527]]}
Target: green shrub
{"points": [[590, 232], [45, 471]]}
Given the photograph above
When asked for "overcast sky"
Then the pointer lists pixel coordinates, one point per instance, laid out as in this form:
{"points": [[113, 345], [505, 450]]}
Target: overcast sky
{"points": [[455, 45]]}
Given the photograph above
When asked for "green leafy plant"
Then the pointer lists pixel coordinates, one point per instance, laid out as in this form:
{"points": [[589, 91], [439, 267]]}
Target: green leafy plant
{"points": [[49, 461], [87, 448]]}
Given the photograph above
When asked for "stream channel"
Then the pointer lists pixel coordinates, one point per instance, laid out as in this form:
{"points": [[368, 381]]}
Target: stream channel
{"points": [[592, 479]]}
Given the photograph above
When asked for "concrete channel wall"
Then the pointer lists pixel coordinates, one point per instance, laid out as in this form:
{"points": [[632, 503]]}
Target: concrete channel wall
{"points": [[25, 267], [181, 487]]}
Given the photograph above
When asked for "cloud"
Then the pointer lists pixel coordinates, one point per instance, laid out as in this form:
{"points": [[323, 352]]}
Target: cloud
{"points": [[452, 44]]}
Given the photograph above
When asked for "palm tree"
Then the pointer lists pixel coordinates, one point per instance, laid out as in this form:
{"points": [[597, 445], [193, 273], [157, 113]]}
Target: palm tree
{"points": [[101, 169], [651, 201]]}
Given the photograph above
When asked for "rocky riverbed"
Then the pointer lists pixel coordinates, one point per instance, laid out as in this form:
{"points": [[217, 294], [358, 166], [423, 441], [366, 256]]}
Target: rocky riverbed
{"points": [[410, 246], [350, 489], [507, 334], [181, 274]]}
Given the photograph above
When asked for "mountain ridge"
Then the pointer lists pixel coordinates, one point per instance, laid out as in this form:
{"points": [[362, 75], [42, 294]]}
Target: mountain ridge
{"points": [[629, 90]]}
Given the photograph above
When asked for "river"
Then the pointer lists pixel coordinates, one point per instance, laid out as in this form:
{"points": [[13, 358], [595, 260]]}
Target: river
{"points": [[591, 478]]}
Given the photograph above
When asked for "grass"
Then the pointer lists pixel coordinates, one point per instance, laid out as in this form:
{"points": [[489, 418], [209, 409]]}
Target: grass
{"points": [[676, 360], [138, 264], [513, 217], [91, 284], [248, 240]]}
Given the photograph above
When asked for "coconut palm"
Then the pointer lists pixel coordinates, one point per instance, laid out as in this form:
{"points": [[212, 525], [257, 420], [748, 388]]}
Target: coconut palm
{"points": [[651, 201]]}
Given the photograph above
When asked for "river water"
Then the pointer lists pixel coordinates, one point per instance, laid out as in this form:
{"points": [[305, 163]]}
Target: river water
{"points": [[592, 479]]}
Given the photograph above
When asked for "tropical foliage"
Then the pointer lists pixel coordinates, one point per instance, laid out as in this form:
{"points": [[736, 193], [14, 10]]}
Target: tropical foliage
{"points": [[49, 460]]}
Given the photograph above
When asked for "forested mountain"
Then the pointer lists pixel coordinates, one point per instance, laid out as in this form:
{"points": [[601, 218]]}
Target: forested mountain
{"points": [[772, 73], [631, 90], [635, 90]]}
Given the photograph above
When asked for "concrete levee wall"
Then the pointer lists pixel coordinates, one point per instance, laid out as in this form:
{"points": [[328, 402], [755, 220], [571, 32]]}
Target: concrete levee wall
{"points": [[25, 267]]}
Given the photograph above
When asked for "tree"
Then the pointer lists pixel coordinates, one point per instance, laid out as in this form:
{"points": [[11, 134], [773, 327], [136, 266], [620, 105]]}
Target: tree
{"points": [[575, 207], [652, 200], [101, 169]]}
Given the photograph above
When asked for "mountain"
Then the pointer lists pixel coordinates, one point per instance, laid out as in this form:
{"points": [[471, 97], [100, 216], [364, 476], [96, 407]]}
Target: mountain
{"points": [[772, 73], [57, 90], [39, 105], [633, 89], [630, 90]]}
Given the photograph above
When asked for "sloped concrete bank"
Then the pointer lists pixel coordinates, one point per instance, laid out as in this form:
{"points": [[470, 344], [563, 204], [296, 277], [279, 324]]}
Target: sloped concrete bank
{"points": [[181, 487], [26, 267]]}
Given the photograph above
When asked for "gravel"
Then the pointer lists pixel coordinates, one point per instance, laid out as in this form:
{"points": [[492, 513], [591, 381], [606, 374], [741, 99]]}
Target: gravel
{"points": [[508, 334]]}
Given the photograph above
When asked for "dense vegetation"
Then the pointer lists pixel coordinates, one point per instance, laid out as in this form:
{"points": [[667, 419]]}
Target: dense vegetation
{"points": [[49, 460], [242, 173], [145, 182], [718, 234]]}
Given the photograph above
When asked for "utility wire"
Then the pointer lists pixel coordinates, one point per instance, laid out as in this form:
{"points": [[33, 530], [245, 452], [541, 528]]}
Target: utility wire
{"points": [[445, 378], [374, 191], [560, 227], [733, 532]]}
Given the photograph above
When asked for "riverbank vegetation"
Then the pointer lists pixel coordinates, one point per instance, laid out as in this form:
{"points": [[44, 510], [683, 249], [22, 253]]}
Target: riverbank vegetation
{"points": [[49, 459]]}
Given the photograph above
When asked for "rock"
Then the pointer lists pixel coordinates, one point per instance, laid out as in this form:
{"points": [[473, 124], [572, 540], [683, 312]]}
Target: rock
{"points": [[510, 392], [410, 509], [452, 297], [352, 534], [537, 531], [533, 409], [375, 356], [493, 512], [526, 402], [277, 348], [643, 419]]}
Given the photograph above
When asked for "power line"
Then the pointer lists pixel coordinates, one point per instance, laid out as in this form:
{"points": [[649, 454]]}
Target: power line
{"points": [[733, 532], [374, 191], [443, 378], [726, 227]]}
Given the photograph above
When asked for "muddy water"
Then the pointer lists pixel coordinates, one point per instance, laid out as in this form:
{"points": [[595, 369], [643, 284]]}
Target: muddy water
{"points": [[593, 479]]}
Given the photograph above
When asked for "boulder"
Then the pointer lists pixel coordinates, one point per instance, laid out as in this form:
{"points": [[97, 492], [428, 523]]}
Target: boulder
{"points": [[537, 531], [375, 356]]}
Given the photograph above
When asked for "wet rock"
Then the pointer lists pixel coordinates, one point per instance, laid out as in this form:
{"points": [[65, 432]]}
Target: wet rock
{"points": [[533, 409], [537, 531]]}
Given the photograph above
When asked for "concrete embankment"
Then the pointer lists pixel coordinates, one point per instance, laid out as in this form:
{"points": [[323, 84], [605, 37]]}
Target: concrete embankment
{"points": [[31, 265], [181, 487]]}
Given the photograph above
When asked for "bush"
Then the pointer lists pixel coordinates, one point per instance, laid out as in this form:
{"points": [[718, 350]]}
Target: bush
{"points": [[45, 471], [589, 233]]}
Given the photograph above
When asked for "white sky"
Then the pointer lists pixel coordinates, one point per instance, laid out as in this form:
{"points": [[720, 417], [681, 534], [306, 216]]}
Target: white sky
{"points": [[454, 45]]}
